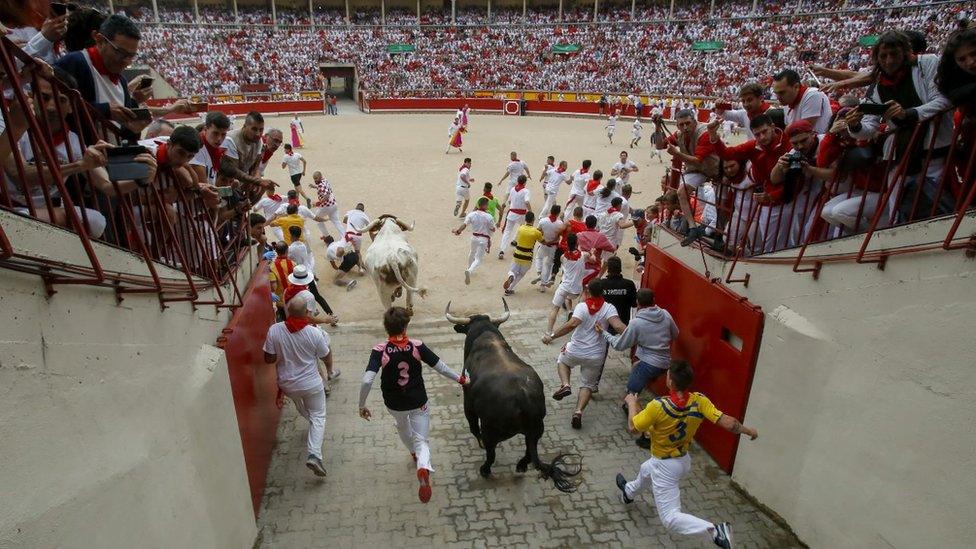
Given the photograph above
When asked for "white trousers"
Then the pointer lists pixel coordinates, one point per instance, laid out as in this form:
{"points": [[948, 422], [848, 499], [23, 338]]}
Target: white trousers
{"points": [[664, 478], [517, 272], [768, 232], [842, 210], [413, 427], [512, 223], [804, 214], [479, 247], [332, 213], [550, 202], [311, 405], [545, 258]]}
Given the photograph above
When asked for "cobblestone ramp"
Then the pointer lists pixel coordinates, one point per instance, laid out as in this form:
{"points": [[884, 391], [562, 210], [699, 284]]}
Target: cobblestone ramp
{"points": [[369, 498]]}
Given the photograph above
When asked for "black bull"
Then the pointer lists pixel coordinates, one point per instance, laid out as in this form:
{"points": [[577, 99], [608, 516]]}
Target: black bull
{"points": [[505, 398]]}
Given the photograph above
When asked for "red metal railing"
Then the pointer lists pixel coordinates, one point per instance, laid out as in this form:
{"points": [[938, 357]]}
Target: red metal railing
{"points": [[166, 221]]}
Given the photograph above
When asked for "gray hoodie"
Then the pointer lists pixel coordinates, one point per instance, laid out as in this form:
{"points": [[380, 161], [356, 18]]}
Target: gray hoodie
{"points": [[652, 329]]}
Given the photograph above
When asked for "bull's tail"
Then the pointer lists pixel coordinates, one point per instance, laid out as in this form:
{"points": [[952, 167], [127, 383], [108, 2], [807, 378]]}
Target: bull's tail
{"points": [[421, 291], [562, 470]]}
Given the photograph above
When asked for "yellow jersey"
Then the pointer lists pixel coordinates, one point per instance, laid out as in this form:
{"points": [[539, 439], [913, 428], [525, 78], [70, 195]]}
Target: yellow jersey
{"points": [[525, 239], [672, 428], [288, 221]]}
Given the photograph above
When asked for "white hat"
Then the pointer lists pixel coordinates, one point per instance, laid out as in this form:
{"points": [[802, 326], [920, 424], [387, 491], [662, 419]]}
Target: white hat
{"points": [[300, 276]]}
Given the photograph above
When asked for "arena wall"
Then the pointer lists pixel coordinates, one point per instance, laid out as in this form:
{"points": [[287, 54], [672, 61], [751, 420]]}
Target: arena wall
{"points": [[863, 392], [118, 424]]}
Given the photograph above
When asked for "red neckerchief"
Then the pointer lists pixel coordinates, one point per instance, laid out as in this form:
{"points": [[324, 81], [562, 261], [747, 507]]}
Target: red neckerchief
{"points": [[763, 107], [519, 186], [162, 154], [889, 81], [799, 97], [594, 304], [289, 153], [592, 185], [679, 399], [266, 153], [58, 138], [399, 341], [489, 195], [560, 170], [553, 218], [584, 171], [296, 324], [275, 197], [572, 255], [99, 64], [292, 291], [461, 169], [611, 209], [214, 152], [293, 201]]}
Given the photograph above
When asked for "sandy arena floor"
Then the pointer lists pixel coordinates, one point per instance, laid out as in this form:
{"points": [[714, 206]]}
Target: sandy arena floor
{"points": [[395, 163]]}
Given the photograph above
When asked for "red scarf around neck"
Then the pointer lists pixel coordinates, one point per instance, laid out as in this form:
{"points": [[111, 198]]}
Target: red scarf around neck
{"points": [[400, 341], [293, 290], [560, 170], [553, 218], [275, 197], [611, 209], [296, 324], [519, 186], [489, 195], [99, 64], [461, 169], [594, 304], [893, 80], [572, 255], [584, 171], [214, 152], [680, 399], [799, 97]]}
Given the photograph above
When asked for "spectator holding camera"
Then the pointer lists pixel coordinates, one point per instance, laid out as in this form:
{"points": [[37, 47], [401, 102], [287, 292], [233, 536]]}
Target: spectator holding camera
{"points": [[794, 169], [902, 95], [858, 178]]}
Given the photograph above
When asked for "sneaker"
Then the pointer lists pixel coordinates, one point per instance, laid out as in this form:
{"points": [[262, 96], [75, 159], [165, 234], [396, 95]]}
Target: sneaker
{"points": [[467, 277], [622, 484], [562, 393], [315, 464], [718, 243], [335, 374], [328, 388], [351, 285], [693, 235], [508, 282], [509, 292], [536, 280], [501, 255], [643, 442], [423, 476], [457, 208], [577, 421], [723, 535]]}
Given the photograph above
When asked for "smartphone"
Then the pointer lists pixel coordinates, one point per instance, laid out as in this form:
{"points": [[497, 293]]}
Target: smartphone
{"points": [[142, 114], [145, 83], [122, 165], [199, 107], [58, 9], [225, 192], [876, 109]]}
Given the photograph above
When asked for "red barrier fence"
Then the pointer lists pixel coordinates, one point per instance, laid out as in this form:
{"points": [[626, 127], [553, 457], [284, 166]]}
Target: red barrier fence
{"points": [[720, 337]]}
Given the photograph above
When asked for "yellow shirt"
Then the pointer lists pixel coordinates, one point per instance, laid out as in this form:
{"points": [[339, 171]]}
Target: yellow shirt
{"points": [[288, 221], [525, 239], [671, 428]]}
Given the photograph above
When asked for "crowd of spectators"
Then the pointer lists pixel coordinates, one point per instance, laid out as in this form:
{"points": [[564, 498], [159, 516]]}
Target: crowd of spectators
{"points": [[647, 58]]}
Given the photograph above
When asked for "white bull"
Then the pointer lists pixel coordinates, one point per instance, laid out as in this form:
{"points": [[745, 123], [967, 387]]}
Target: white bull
{"points": [[392, 262]]}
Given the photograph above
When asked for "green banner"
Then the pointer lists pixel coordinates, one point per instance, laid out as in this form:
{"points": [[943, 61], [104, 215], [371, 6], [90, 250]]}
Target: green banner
{"points": [[707, 45], [868, 40], [400, 48], [565, 48]]}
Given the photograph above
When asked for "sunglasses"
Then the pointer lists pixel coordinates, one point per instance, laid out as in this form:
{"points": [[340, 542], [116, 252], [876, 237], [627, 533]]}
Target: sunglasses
{"points": [[123, 53]]}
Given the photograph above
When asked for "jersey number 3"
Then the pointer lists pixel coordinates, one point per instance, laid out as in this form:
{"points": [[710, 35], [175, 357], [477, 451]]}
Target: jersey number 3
{"points": [[679, 433], [404, 378]]}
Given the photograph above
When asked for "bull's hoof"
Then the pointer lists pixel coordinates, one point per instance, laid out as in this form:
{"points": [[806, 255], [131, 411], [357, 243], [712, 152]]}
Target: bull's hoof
{"points": [[485, 471]]}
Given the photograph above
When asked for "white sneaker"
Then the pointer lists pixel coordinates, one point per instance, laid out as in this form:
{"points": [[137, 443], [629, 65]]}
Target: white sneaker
{"points": [[335, 374], [536, 280], [351, 285]]}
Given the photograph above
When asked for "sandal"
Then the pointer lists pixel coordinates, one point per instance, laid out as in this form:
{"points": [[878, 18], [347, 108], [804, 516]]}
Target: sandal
{"points": [[577, 421], [562, 392]]}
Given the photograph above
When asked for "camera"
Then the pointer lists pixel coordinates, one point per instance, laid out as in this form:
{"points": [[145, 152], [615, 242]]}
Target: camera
{"points": [[230, 197], [795, 159]]}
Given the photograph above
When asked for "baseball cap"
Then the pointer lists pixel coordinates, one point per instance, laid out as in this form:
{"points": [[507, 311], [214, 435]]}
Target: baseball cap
{"points": [[800, 126]]}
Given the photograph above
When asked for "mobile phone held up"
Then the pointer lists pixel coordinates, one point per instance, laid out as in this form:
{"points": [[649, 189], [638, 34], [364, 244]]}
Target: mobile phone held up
{"points": [[143, 114], [875, 109], [145, 82], [199, 107], [122, 164]]}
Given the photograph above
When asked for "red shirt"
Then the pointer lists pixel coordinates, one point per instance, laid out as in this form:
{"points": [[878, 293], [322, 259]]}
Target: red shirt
{"points": [[595, 242], [572, 226], [761, 161]]}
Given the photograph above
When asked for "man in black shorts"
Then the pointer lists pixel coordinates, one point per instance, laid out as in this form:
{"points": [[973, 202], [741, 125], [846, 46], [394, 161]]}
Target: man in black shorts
{"points": [[296, 165], [398, 363], [343, 257]]}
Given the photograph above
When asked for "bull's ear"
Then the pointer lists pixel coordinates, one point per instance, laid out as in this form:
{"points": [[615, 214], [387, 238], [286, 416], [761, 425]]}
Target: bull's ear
{"points": [[461, 328]]}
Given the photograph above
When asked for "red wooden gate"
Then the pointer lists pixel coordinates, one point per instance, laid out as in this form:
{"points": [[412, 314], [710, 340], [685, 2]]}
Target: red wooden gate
{"points": [[720, 337]]}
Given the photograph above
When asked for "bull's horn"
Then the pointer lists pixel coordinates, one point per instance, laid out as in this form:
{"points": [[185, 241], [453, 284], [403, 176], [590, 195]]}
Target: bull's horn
{"points": [[505, 316], [412, 225], [455, 319], [372, 226], [403, 226]]}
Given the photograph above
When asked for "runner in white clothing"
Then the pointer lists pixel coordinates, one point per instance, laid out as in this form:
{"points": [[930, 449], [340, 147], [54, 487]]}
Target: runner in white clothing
{"points": [[482, 225], [611, 126], [355, 221], [556, 177], [516, 169], [326, 205], [462, 188], [579, 179], [545, 253], [622, 169], [586, 347], [636, 131], [517, 205], [571, 286]]}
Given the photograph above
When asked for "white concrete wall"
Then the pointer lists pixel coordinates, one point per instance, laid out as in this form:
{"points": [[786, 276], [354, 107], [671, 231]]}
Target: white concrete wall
{"points": [[117, 426], [864, 395]]}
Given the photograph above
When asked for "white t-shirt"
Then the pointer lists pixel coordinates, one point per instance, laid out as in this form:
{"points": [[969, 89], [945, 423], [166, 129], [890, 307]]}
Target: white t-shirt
{"points": [[554, 180], [299, 253], [612, 122], [603, 204], [518, 200], [332, 253], [269, 206], [463, 179], [356, 220], [585, 341], [550, 228], [813, 104], [623, 171], [637, 128], [610, 227], [515, 169], [105, 90], [298, 356], [580, 179], [740, 117], [480, 222], [60, 151], [572, 281], [293, 162], [202, 158], [302, 211]]}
